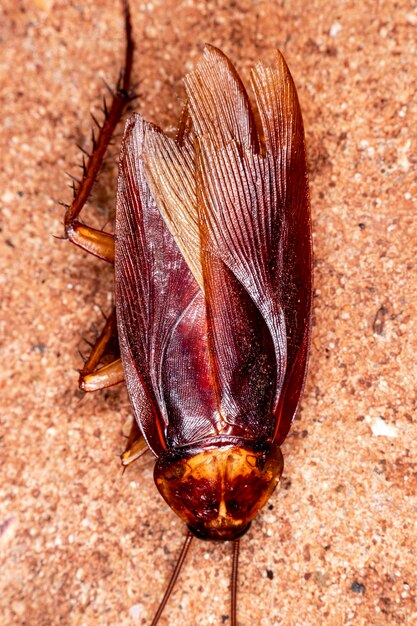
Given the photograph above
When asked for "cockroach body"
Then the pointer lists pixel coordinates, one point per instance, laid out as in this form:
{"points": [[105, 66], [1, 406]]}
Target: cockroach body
{"points": [[213, 289]]}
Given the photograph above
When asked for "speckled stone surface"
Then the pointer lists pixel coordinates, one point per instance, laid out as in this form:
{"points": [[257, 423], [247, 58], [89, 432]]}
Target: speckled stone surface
{"points": [[83, 545]]}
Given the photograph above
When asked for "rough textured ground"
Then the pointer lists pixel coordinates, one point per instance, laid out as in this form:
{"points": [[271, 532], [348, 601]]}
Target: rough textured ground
{"points": [[80, 543]]}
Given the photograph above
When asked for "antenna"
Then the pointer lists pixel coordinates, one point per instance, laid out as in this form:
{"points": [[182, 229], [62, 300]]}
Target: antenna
{"points": [[174, 577], [233, 584]]}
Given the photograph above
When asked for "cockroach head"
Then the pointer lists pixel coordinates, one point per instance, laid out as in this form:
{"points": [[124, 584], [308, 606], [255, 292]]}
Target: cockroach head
{"points": [[217, 490]]}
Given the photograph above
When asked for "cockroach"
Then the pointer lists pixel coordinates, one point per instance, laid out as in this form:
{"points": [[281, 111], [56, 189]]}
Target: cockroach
{"points": [[213, 289]]}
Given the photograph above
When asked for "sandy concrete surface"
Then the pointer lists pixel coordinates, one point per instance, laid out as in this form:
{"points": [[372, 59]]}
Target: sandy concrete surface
{"points": [[81, 544]]}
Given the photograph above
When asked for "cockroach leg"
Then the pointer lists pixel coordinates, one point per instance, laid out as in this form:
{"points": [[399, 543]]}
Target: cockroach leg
{"points": [[96, 242], [100, 348], [174, 577], [100, 243], [106, 376], [93, 379], [136, 446]]}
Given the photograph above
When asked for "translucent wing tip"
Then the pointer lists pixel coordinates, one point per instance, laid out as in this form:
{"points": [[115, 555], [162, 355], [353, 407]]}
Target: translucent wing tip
{"points": [[218, 102]]}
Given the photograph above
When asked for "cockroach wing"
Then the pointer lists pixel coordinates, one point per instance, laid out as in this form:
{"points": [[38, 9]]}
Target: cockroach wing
{"points": [[245, 315], [244, 227], [283, 134], [253, 208], [160, 313], [241, 230], [218, 103], [170, 169], [244, 319]]}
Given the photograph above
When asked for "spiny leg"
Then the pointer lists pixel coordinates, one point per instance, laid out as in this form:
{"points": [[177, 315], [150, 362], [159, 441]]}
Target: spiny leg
{"points": [[106, 376], [90, 376], [94, 241], [93, 378], [136, 446], [101, 244]]}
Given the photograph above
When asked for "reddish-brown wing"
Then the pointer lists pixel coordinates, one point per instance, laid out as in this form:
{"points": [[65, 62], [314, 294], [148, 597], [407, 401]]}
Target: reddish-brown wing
{"points": [[283, 132], [256, 235], [241, 232], [218, 103], [159, 312], [237, 203], [242, 353]]}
